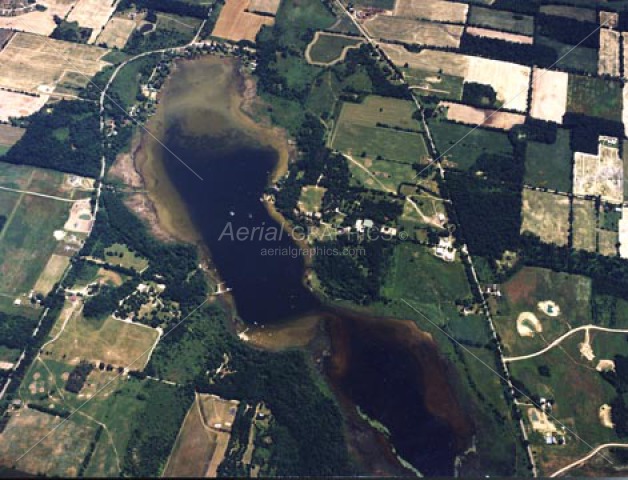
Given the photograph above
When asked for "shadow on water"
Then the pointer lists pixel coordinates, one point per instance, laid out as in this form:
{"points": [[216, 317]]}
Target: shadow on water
{"points": [[387, 367]]}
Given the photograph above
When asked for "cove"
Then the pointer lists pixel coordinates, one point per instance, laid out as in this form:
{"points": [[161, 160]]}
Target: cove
{"points": [[394, 377]]}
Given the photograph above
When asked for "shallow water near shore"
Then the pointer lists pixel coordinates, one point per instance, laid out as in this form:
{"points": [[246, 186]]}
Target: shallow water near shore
{"points": [[390, 370]]}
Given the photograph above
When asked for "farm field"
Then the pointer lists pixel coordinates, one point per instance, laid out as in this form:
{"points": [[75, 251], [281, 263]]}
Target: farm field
{"points": [[510, 81], [429, 83], [466, 114], [40, 23], [58, 454], [577, 13], [380, 4], [10, 135], [381, 128], [236, 23], [546, 215], [18, 105], [538, 305], [92, 14], [327, 49], [110, 341], [501, 20], [584, 225], [48, 61], [490, 33], [462, 145], [433, 10], [549, 95], [202, 441], [116, 33], [607, 242], [433, 61], [382, 175], [414, 31], [601, 174], [596, 97], [570, 58], [550, 165], [608, 62], [268, 7]]}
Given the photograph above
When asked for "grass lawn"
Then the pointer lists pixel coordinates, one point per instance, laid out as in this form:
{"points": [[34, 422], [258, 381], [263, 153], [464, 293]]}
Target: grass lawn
{"points": [[118, 254], [584, 225], [311, 198], [379, 129], [389, 175], [462, 145], [126, 86], [596, 97], [330, 47], [296, 16], [4, 149], [523, 292], [550, 165], [27, 242]]}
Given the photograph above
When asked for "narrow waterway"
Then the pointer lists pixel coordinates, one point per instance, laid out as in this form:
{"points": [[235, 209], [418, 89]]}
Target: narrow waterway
{"points": [[390, 370]]}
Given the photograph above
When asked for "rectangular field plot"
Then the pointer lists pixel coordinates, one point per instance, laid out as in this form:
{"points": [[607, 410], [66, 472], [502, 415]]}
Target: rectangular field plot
{"points": [[596, 97], [433, 10], [39, 22], [550, 165], [577, 13], [607, 242], [601, 174], [47, 61], [549, 95], [380, 128], [570, 58], [608, 62], [418, 32], [447, 63], [501, 20], [110, 341], [18, 105], [509, 80], [461, 146], [457, 112], [268, 7], [10, 135], [237, 23], [499, 35], [116, 32], [92, 14], [583, 227], [59, 446], [539, 304], [546, 215], [380, 174]]}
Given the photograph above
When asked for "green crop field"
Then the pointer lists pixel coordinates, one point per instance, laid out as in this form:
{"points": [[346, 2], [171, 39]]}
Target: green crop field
{"points": [[27, 242], [596, 97], [461, 145], [501, 20], [373, 130], [570, 57], [329, 48], [550, 165]]}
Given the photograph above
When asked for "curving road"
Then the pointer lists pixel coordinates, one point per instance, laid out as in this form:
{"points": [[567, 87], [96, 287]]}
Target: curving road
{"points": [[590, 455], [563, 337]]}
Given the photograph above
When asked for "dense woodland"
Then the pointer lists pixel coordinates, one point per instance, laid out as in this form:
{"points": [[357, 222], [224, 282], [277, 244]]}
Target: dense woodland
{"points": [[63, 137], [176, 7]]}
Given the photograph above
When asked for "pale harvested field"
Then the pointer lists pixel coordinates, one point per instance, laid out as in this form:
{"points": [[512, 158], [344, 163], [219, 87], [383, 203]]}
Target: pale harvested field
{"points": [[449, 63], [19, 105], [93, 14], [607, 242], [601, 174], [61, 447], [625, 50], [509, 80], [269, 7], [546, 215], [235, 23], [577, 13], [116, 32], [52, 273], [36, 64], [549, 95], [624, 110], [414, 31], [609, 19], [583, 227], [434, 10], [509, 37], [458, 112], [10, 135], [608, 61], [623, 233], [41, 23]]}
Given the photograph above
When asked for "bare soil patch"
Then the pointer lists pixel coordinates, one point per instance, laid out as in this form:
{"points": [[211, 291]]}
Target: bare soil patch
{"points": [[235, 23], [116, 32], [92, 14], [601, 174], [608, 61], [480, 116], [434, 10], [509, 37], [10, 135], [19, 105], [41, 23], [549, 95]]}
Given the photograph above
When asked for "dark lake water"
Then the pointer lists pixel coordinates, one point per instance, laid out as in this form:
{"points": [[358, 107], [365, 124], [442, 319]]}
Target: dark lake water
{"points": [[376, 364]]}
